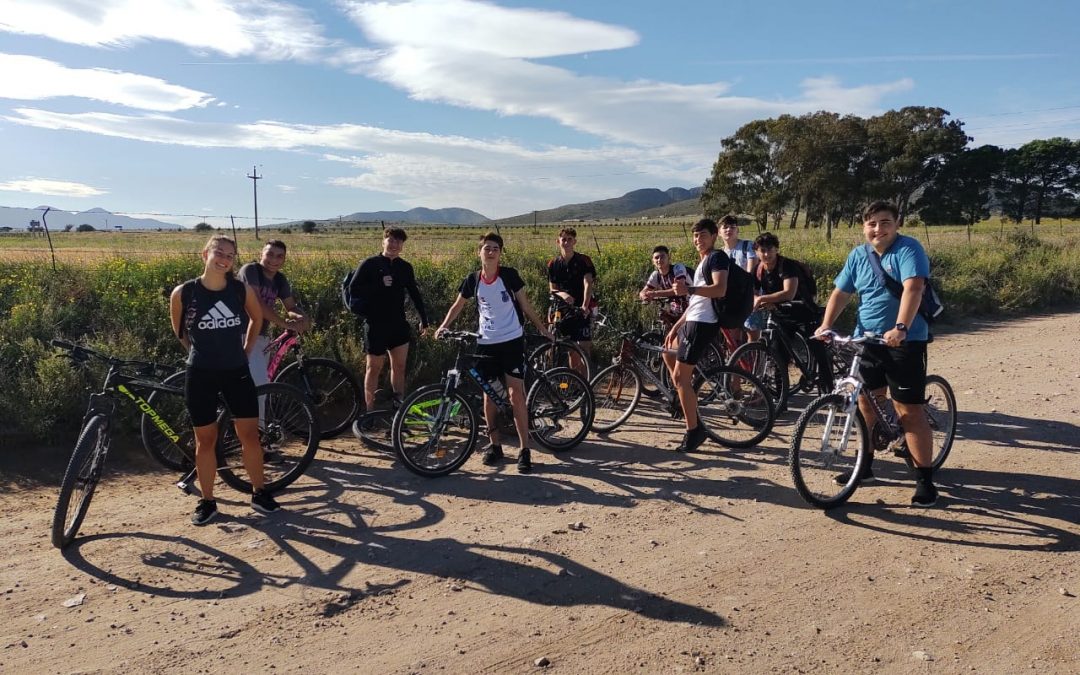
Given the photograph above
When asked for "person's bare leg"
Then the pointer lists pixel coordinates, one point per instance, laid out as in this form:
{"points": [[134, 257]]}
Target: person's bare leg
{"points": [[247, 430], [684, 373], [516, 389], [205, 459], [371, 377], [398, 357]]}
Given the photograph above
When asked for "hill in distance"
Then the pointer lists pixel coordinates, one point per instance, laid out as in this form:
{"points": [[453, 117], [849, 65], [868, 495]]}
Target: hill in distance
{"points": [[101, 219], [417, 216], [635, 203]]}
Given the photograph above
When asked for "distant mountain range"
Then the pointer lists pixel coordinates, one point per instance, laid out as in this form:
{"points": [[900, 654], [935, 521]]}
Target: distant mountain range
{"points": [[449, 216], [638, 202], [100, 219]]}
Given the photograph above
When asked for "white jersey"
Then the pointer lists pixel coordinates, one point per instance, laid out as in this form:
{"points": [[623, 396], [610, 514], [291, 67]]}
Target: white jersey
{"points": [[701, 308]]}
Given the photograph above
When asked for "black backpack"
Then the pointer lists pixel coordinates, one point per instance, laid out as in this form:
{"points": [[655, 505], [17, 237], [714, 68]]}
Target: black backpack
{"points": [[738, 301], [354, 302], [807, 291]]}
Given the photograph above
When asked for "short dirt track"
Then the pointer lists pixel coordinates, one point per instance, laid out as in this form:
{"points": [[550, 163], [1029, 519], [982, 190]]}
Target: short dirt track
{"points": [[621, 556]]}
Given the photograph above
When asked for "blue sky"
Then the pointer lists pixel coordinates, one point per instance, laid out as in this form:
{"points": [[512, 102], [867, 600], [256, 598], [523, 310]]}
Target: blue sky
{"points": [[164, 106]]}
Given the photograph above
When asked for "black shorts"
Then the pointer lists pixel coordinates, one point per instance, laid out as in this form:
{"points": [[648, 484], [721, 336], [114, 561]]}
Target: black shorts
{"points": [[382, 336], [204, 389], [577, 328], [903, 368], [694, 338], [503, 358]]}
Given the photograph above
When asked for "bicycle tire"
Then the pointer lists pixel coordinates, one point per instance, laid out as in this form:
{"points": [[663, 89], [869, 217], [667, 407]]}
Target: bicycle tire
{"points": [[288, 433], [814, 471], [375, 429], [80, 480], [712, 358], [420, 439], [560, 400], [761, 361], [734, 407], [805, 378], [556, 354], [616, 392], [941, 411], [331, 386], [173, 455]]}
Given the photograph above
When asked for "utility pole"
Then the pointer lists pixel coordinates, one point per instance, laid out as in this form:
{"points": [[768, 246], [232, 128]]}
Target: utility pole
{"points": [[255, 177]]}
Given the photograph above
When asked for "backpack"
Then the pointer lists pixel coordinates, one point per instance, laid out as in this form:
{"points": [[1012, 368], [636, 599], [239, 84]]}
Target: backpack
{"points": [[807, 291], [738, 301], [931, 306], [354, 302]]}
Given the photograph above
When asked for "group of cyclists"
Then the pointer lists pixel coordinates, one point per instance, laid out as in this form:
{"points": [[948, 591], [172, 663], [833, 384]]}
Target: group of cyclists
{"points": [[223, 322]]}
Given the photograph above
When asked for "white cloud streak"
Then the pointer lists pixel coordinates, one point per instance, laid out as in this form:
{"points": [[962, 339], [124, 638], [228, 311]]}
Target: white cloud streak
{"points": [[52, 188], [262, 29], [30, 78]]}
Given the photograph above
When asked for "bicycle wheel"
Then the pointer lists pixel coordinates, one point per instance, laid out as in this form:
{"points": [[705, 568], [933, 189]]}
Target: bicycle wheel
{"points": [[801, 379], [561, 409], [288, 433], [941, 411], [434, 432], [616, 393], [653, 361], [557, 355], [81, 478], [173, 455], [375, 429], [331, 387], [711, 359], [734, 407], [761, 361], [821, 452]]}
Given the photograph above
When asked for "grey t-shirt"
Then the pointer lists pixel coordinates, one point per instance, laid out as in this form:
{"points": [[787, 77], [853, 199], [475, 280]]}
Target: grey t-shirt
{"points": [[269, 291]]}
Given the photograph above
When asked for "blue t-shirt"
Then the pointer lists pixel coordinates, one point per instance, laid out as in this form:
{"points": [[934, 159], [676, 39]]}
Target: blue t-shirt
{"points": [[878, 308]]}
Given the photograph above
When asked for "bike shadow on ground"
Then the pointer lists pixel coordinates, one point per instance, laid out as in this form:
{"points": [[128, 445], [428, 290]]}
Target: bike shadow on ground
{"points": [[1002, 430], [979, 509]]}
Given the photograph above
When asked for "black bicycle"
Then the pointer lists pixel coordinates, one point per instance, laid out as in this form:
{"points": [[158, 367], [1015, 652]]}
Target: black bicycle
{"points": [[781, 358], [733, 406], [437, 426], [289, 434]]}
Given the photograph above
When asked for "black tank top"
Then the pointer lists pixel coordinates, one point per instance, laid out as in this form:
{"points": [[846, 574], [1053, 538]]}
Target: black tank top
{"points": [[215, 323]]}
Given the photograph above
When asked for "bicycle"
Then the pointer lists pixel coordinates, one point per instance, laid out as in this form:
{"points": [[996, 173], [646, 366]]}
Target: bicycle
{"points": [[546, 354], [831, 438], [330, 385], [733, 406], [436, 428], [290, 435], [781, 358]]}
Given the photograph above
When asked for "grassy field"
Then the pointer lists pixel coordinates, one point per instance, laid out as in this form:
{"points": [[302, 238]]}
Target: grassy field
{"points": [[106, 289]]}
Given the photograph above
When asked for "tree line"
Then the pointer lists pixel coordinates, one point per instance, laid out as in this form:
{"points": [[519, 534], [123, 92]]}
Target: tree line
{"points": [[824, 167]]}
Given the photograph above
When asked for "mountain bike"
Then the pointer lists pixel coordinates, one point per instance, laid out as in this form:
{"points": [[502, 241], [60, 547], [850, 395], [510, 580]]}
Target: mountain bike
{"points": [[831, 438], [328, 384], [289, 436], [734, 407], [781, 358], [437, 426], [546, 354]]}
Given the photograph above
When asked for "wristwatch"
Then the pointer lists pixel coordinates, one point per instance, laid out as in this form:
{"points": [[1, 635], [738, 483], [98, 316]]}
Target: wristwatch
{"points": [[901, 326]]}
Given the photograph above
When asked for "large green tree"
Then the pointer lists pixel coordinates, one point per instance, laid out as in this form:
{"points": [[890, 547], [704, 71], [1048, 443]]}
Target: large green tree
{"points": [[1054, 164], [961, 191]]}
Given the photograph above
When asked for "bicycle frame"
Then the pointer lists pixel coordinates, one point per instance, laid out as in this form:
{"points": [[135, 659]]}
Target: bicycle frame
{"points": [[280, 348]]}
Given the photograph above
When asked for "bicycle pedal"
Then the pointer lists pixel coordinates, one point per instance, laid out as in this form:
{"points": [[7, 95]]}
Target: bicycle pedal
{"points": [[185, 487]]}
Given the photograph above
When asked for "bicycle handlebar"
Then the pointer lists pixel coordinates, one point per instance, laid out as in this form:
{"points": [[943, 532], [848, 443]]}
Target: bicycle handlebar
{"points": [[82, 354], [457, 335], [833, 336]]}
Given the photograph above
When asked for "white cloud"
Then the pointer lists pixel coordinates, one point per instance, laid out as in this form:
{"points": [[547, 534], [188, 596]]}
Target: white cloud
{"points": [[262, 29], [485, 28], [475, 55], [286, 189], [32, 78], [55, 188]]}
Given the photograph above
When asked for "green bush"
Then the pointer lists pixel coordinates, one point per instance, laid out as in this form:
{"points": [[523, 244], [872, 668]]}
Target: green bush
{"points": [[118, 305]]}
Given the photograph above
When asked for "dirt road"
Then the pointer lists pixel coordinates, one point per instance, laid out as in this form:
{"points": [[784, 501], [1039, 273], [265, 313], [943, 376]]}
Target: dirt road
{"points": [[620, 557]]}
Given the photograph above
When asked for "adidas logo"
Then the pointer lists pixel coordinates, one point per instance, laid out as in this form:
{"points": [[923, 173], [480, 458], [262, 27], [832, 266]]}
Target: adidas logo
{"points": [[219, 316]]}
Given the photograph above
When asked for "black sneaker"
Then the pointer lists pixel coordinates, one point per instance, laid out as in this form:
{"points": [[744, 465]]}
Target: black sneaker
{"points": [[262, 502], [493, 455], [692, 440], [204, 512], [925, 494], [524, 461]]}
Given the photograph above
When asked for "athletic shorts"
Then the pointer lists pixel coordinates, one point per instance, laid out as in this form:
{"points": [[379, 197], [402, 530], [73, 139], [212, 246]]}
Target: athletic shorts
{"points": [[694, 338], [577, 328], [903, 368], [204, 389], [503, 358], [756, 321], [382, 336]]}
